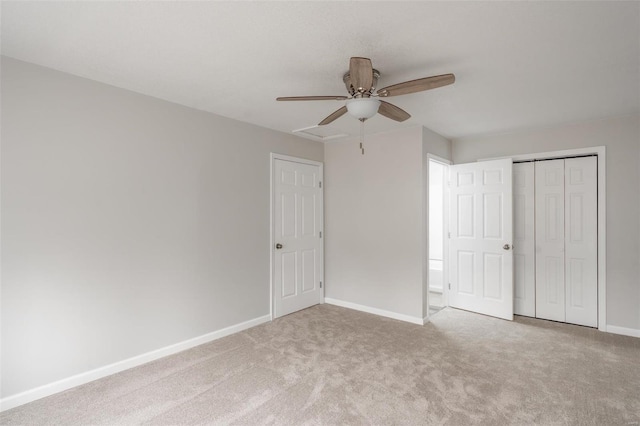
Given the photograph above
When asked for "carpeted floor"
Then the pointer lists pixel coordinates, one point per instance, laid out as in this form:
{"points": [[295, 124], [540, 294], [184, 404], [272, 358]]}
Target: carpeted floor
{"points": [[334, 366]]}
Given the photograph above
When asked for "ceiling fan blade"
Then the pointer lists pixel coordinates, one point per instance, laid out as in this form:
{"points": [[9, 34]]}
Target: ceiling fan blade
{"points": [[418, 85], [312, 98], [334, 115], [361, 74], [393, 112]]}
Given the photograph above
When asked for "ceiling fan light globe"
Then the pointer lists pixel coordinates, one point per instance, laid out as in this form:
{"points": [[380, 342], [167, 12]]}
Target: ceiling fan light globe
{"points": [[363, 108]]}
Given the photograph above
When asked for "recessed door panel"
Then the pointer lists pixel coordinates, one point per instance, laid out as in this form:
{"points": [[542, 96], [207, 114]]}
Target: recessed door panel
{"points": [[309, 179], [554, 282], [492, 177], [289, 215], [288, 284], [492, 226], [309, 280], [576, 279], [308, 215], [493, 280], [465, 178], [466, 277], [554, 217], [466, 216], [288, 177]]}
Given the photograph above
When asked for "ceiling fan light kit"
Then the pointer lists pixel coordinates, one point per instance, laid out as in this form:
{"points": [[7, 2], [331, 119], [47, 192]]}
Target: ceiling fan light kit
{"points": [[363, 108]]}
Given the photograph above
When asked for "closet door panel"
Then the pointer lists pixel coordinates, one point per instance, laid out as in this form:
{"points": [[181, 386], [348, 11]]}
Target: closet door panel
{"points": [[524, 243], [581, 241], [550, 236]]}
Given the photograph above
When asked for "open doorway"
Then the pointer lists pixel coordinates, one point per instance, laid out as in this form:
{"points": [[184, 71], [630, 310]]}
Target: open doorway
{"points": [[437, 276]]}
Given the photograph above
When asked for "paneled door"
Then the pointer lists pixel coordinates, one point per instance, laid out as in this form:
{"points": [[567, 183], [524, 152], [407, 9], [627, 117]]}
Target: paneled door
{"points": [[550, 278], [556, 239], [481, 259], [524, 239], [581, 240], [297, 251]]}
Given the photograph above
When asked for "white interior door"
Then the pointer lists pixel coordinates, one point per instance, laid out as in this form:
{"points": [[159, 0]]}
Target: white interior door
{"points": [[550, 291], [524, 241], [297, 236], [481, 260], [581, 240]]}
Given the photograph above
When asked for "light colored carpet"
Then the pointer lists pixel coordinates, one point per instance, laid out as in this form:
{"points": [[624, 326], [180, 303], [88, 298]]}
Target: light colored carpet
{"points": [[329, 365]]}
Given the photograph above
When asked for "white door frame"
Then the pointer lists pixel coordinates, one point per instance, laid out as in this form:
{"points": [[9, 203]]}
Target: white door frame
{"points": [[445, 224], [273, 157], [600, 152]]}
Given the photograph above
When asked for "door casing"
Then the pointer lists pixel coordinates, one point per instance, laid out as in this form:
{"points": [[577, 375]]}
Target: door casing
{"points": [[445, 216]]}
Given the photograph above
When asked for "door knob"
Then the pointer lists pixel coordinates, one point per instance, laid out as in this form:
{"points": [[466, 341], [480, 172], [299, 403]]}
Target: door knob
{"points": [[506, 246], [278, 246]]}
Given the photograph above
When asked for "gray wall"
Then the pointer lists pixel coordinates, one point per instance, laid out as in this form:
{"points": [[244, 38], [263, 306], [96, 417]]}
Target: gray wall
{"points": [[128, 223], [621, 137], [375, 220]]}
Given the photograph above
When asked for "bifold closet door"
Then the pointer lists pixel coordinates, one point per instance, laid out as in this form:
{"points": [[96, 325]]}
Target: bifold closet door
{"points": [[549, 211], [581, 240], [566, 234], [524, 241]]}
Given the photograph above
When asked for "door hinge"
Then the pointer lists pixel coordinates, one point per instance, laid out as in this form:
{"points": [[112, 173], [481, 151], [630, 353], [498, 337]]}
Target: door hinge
{"points": [[320, 284], [320, 184], [320, 234], [449, 234], [449, 286]]}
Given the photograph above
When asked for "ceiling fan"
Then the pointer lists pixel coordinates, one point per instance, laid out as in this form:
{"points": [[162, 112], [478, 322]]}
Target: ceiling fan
{"points": [[360, 81]]}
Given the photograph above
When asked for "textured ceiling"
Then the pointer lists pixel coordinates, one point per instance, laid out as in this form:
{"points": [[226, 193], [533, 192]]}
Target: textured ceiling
{"points": [[518, 64]]}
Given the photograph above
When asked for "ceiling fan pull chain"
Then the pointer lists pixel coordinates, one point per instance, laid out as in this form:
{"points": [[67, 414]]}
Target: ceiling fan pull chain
{"points": [[362, 135]]}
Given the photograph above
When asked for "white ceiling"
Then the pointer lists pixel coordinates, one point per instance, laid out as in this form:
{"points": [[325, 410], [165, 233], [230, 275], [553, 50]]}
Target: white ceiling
{"points": [[517, 64]]}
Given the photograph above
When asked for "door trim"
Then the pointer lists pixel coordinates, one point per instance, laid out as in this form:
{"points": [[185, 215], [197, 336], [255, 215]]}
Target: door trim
{"points": [[272, 158], [600, 152]]}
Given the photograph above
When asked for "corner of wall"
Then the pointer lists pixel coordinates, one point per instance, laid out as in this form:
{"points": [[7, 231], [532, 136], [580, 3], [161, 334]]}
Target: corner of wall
{"points": [[435, 144]]}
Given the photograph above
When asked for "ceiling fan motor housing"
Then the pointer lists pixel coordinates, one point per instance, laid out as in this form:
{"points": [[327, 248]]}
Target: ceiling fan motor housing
{"points": [[353, 91]]}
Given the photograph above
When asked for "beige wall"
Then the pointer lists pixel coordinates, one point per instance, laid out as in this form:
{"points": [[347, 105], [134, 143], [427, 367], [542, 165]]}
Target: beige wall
{"points": [[375, 220], [128, 223], [621, 137]]}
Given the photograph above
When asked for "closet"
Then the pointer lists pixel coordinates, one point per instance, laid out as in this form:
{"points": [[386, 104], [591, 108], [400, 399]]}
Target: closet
{"points": [[555, 240]]}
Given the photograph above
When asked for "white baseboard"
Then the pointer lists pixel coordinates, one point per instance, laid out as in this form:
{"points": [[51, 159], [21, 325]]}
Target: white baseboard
{"points": [[375, 311], [633, 332], [89, 376]]}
